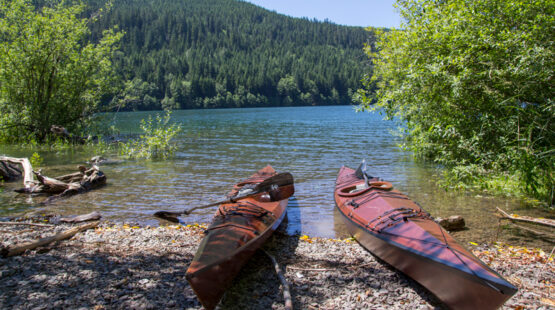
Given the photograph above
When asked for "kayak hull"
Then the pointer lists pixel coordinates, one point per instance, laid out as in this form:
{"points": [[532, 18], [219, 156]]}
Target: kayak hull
{"points": [[413, 243], [236, 232]]}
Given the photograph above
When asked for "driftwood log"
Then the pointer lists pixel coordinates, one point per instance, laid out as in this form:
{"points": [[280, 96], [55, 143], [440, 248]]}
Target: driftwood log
{"points": [[93, 216], [20, 249], [62, 186]]}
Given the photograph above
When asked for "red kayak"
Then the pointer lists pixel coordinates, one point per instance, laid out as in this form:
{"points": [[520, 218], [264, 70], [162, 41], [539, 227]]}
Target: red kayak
{"points": [[400, 232], [237, 230]]}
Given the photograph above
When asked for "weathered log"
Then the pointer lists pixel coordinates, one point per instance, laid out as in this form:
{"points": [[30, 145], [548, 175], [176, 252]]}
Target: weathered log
{"points": [[50, 185], [92, 178], [72, 177], [63, 186], [19, 249], [93, 216], [28, 181], [526, 219]]}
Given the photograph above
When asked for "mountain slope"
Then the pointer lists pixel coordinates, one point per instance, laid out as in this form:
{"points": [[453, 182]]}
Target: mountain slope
{"points": [[228, 53]]}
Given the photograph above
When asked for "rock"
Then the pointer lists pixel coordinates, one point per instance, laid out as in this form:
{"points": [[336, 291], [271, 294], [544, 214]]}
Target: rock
{"points": [[452, 223]]}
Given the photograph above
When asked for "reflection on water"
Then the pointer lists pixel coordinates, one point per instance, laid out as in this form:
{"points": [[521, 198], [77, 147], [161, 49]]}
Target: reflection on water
{"points": [[217, 148]]}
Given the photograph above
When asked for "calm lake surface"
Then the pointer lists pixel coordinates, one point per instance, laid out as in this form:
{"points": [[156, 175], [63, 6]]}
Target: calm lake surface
{"points": [[217, 148]]}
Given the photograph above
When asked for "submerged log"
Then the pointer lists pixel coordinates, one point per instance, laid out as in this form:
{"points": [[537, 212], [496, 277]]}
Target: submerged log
{"points": [[20, 249], [91, 179]]}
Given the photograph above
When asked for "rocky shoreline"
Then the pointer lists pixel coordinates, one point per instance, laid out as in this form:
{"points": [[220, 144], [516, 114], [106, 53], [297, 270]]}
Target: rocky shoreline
{"points": [[132, 267]]}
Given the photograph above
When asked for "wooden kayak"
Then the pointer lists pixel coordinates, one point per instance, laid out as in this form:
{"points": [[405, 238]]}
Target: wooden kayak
{"points": [[401, 233], [237, 230]]}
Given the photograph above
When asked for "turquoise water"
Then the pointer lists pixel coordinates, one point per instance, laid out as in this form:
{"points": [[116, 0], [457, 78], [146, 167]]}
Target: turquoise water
{"points": [[219, 147]]}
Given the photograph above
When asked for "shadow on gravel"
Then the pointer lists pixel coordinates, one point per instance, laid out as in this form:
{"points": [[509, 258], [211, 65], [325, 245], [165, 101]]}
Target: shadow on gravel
{"points": [[97, 281], [418, 289], [257, 286]]}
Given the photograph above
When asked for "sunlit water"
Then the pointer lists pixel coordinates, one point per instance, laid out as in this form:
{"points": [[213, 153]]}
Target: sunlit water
{"points": [[217, 148]]}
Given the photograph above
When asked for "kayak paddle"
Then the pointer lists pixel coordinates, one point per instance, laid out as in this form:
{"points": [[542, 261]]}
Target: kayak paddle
{"points": [[272, 184]]}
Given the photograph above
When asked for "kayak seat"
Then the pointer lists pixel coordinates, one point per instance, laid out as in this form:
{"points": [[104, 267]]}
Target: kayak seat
{"points": [[358, 189]]}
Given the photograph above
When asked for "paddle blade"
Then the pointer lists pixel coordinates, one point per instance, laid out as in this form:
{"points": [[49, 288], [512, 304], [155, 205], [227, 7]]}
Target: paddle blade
{"points": [[279, 187], [282, 192], [168, 216], [271, 183]]}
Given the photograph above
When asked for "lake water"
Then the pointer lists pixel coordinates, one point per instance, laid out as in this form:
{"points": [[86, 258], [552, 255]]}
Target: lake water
{"points": [[217, 148]]}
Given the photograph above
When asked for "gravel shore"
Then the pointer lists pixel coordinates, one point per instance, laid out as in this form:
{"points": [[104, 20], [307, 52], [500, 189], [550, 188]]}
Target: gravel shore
{"points": [[131, 267]]}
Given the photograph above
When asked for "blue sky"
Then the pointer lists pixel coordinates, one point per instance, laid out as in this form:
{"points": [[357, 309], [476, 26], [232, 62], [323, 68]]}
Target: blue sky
{"points": [[376, 13]]}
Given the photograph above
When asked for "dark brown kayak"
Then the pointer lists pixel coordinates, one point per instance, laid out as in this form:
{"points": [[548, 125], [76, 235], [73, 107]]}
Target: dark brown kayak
{"points": [[236, 232], [401, 233]]}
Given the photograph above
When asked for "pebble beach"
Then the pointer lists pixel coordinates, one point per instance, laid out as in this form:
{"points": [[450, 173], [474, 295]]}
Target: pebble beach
{"points": [[123, 266]]}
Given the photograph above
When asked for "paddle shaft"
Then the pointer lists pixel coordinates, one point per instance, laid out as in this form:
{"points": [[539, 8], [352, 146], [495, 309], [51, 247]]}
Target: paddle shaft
{"points": [[271, 183], [188, 211]]}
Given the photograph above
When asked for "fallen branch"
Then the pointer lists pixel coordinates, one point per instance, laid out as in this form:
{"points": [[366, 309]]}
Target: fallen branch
{"points": [[28, 224], [527, 219], [19, 249], [286, 292]]}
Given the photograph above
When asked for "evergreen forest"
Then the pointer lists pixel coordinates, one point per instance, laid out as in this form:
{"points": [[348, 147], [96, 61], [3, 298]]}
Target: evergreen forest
{"points": [[229, 53]]}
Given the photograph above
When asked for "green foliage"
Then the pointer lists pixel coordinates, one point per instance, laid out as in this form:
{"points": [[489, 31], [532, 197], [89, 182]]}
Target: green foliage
{"points": [[156, 140], [36, 160], [100, 148], [228, 53], [473, 83], [49, 74]]}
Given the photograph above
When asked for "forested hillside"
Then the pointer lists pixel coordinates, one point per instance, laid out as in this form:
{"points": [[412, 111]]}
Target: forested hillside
{"points": [[229, 53]]}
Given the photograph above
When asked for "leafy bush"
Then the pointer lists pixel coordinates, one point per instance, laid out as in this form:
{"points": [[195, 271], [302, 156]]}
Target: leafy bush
{"points": [[473, 82], [36, 160], [49, 73], [156, 140]]}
